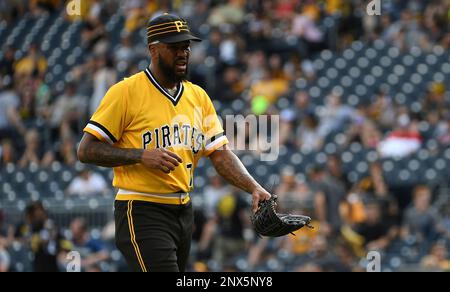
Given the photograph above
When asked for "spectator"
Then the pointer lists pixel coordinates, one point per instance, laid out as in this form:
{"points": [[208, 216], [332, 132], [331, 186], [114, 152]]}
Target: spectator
{"points": [[408, 32], [83, 75], [370, 135], [435, 101], [5, 259], [287, 125], [309, 137], [434, 20], [125, 52], [38, 7], [334, 166], [305, 28], [48, 245], [10, 121], [382, 110], [6, 231], [421, 220], [290, 117], [33, 153], [104, 77], [270, 86], [255, 68], [230, 86], [333, 115], [363, 131], [213, 193], [352, 209], [67, 113], [87, 183], [373, 184], [92, 32], [7, 152], [95, 10], [231, 12], [198, 16], [5, 241], [135, 14], [371, 187], [231, 221], [229, 49], [446, 222], [64, 153], [442, 133], [437, 259], [34, 62], [329, 193], [292, 194], [212, 45], [374, 234], [303, 104], [42, 98], [92, 251], [7, 63], [321, 255], [403, 141], [347, 258], [27, 108]]}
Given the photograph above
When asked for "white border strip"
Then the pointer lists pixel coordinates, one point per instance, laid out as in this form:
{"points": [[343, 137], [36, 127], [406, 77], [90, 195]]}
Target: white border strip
{"points": [[159, 196], [212, 144], [100, 131]]}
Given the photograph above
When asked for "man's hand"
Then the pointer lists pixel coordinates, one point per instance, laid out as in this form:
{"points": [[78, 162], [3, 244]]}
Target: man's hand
{"points": [[259, 195], [161, 159]]}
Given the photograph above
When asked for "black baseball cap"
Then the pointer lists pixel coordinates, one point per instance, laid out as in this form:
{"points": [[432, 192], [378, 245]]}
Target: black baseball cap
{"points": [[169, 28]]}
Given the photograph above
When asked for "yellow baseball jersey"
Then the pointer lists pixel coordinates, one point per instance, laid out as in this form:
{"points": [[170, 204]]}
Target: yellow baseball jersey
{"points": [[139, 113]]}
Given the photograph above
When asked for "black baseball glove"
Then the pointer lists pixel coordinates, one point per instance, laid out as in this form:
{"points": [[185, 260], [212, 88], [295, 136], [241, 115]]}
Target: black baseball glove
{"points": [[267, 222]]}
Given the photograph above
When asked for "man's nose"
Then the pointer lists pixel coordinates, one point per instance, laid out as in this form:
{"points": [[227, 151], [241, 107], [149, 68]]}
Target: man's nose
{"points": [[182, 53]]}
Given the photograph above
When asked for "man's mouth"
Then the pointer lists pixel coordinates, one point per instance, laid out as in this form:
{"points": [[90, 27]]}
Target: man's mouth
{"points": [[181, 65]]}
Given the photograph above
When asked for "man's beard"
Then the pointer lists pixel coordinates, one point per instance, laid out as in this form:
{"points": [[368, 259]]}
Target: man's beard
{"points": [[170, 71]]}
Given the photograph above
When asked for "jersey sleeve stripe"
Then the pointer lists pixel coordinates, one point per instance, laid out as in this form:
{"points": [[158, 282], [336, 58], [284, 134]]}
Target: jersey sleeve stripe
{"points": [[87, 129], [102, 131], [216, 143], [211, 140], [96, 131]]}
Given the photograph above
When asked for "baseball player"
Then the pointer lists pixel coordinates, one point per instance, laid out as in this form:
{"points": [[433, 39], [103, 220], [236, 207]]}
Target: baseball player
{"points": [[153, 128]]}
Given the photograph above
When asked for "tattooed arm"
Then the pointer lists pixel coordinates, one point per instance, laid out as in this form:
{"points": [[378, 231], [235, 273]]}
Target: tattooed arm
{"points": [[94, 151], [232, 170]]}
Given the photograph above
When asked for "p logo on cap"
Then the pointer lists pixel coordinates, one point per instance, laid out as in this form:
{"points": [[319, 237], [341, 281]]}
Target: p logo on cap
{"points": [[179, 25]]}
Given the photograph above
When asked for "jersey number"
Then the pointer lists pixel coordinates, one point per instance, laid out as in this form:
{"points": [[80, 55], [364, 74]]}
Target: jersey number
{"points": [[191, 181]]}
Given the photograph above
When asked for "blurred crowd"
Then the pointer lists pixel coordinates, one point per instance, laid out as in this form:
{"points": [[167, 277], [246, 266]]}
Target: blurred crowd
{"points": [[253, 51]]}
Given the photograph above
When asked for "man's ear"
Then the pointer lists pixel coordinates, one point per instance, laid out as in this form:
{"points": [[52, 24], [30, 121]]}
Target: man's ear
{"points": [[152, 50]]}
